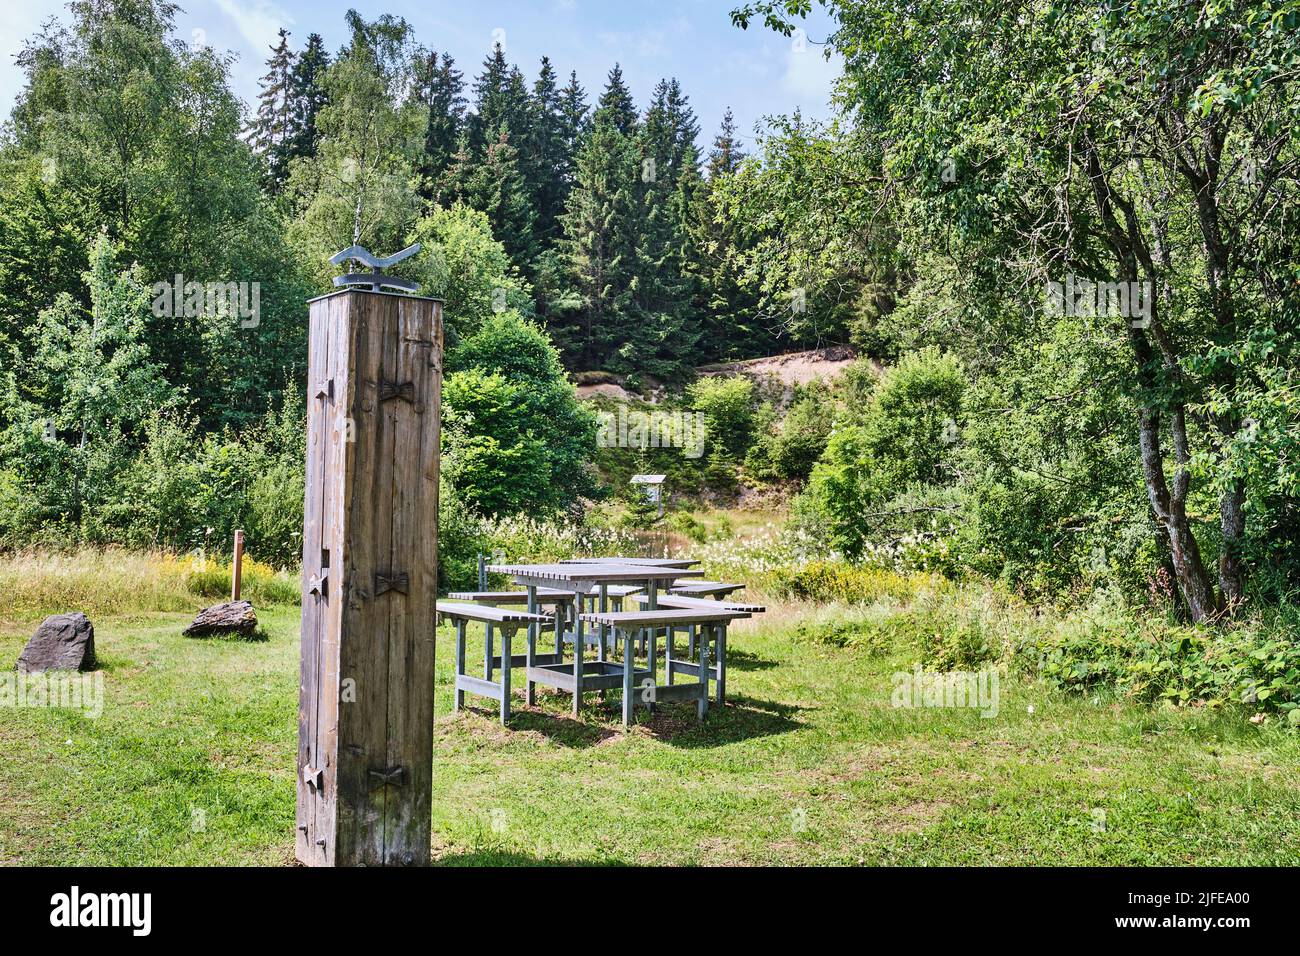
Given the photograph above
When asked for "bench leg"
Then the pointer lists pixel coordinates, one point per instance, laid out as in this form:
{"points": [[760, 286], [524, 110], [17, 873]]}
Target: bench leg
{"points": [[652, 654], [669, 632], [627, 677], [459, 698], [505, 676], [487, 654]]}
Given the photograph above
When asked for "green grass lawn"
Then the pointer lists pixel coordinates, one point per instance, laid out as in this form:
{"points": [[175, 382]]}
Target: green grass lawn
{"points": [[192, 762]]}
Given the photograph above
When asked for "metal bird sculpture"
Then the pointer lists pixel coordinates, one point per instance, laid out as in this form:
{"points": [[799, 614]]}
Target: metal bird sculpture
{"points": [[375, 278]]}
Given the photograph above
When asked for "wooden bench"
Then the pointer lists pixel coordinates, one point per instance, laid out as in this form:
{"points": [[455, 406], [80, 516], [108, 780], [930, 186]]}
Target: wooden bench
{"points": [[703, 588], [507, 621], [627, 626], [718, 659], [544, 596]]}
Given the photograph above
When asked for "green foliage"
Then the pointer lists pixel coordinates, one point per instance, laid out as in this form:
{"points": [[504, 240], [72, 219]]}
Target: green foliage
{"points": [[515, 438], [789, 449], [727, 404], [464, 266], [1255, 663], [905, 437], [360, 184]]}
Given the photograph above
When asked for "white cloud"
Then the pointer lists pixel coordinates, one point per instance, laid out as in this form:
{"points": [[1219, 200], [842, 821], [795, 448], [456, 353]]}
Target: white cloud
{"points": [[258, 21], [809, 75]]}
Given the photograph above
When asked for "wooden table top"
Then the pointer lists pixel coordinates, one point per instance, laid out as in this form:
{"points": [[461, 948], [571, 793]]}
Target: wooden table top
{"points": [[643, 562], [593, 573]]}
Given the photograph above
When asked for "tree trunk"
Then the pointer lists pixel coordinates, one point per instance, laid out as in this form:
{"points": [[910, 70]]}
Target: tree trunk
{"points": [[1170, 507], [1232, 523]]}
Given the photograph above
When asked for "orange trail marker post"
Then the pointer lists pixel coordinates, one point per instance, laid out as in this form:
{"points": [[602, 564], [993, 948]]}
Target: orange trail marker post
{"points": [[236, 569]]}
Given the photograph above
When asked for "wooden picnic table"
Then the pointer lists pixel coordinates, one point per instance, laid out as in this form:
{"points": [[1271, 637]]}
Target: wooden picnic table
{"points": [[583, 579]]}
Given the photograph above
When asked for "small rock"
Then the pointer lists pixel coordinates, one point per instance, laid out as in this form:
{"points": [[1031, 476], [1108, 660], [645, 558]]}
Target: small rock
{"points": [[63, 642], [233, 617]]}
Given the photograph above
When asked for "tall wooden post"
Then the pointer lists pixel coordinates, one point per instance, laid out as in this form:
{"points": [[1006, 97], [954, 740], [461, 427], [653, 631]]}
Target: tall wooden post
{"points": [[237, 566], [365, 714]]}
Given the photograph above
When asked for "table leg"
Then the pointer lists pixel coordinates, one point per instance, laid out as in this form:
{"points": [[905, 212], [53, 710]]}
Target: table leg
{"points": [[602, 632], [530, 688], [559, 631], [722, 664], [703, 706], [577, 656], [627, 677], [506, 634], [654, 633], [487, 654], [652, 604], [669, 631]]}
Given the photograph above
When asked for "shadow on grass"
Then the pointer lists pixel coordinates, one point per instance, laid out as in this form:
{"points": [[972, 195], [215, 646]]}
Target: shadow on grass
{"points": [[491, 857], [561, 728], [747, 661], [741, 718]]}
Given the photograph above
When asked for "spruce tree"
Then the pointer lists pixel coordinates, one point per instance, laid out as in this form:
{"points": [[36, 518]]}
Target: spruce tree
{"points": [[575, 121], [726, 156], [615, 107], [495, 186], [598, 245], [308, 97], [439, 90], [546, 155], [500, 99], [664, 331], [271, 129], [728, 308]]}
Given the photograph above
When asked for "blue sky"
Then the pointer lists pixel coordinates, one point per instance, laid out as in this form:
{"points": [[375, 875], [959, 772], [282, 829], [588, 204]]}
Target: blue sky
{"points": [[755, 72]]}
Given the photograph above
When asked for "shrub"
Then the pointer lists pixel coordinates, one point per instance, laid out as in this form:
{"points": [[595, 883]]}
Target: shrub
{"points": [[515, 437], [904, 440], [727, 404], [1255, 663]]}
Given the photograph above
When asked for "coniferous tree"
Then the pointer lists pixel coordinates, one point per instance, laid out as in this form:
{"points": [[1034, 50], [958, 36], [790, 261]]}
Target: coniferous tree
{"points": [[729, 308], [726, 156], [546, 154], [615, 106], [439, 90], [663, 332], [272, 128], [307, 98], [495, 186], [574, 119], [500, 99], [597, 245]]}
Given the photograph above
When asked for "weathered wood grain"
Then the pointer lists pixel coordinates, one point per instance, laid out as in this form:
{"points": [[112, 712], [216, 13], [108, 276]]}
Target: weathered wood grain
{"points": [[370, 572]]}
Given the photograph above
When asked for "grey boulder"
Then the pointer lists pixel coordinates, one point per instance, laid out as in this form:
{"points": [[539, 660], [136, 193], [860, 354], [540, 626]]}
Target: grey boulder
{"points": [[233, 617], [63, 642]]}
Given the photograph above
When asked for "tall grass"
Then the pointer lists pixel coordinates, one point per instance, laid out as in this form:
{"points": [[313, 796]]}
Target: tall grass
{"points": [[114, 581]]}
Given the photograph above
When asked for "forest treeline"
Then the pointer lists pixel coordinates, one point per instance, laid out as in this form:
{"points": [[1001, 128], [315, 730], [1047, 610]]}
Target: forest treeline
{"points": [[1069, 232]]}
